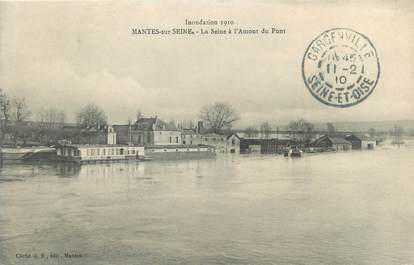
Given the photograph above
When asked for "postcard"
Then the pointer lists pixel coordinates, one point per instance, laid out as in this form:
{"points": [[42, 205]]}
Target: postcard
{"points": [[207, 132]]}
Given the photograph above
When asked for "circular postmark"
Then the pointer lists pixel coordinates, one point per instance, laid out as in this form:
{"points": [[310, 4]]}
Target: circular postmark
{"points": [[340, 67]]}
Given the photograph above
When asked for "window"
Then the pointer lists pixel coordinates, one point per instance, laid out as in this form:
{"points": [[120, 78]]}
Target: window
{"points": [[88, 152], [149, 138], [170, 139], [176, 139], [206, 139], [99, 151], [139, 139], [191, 142], [104, 151], [121, 151], [133, 151], [233, 142], [183, 141]]}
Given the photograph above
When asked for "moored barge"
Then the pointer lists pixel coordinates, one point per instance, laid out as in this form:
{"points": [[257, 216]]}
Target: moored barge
{"points": [[173, 152], [87, 154]]}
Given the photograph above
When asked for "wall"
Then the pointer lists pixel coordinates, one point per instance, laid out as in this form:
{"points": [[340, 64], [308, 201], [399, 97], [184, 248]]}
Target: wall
{"points": [[216, 140], [366, 144], [121, 134], [167, 138], [233, 145], [342, 147]]}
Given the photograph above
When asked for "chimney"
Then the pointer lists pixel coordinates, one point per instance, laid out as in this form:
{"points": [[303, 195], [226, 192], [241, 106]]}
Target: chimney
{"points": [[200, 127]]}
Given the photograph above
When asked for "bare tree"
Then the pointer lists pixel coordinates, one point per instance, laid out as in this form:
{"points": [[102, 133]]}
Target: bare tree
{"points": [[397, 132], [91, 115], [371, 132], [251, 132], [52, 118], [265, 130], [330, 128], [302, 131], [20, 110], [4, 113], [4, 108], [218, 116], [187, 124]]}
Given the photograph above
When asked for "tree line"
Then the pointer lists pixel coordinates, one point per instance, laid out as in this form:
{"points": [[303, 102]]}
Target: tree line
{"points": [[218, 117]]}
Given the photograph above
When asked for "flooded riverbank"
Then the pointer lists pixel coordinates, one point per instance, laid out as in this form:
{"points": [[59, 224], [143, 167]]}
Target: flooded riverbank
{"points": [[333, 208]]}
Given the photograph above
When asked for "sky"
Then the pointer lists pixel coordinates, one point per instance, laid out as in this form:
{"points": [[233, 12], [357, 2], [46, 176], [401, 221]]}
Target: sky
{"points": [[66, 55]]}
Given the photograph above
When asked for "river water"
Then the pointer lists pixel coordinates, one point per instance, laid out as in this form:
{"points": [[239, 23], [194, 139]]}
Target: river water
{"points": [[333, 208]]}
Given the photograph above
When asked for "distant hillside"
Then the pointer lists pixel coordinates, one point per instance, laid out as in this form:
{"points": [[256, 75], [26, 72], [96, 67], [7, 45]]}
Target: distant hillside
{"points": [[379, 126], [408, 125]]}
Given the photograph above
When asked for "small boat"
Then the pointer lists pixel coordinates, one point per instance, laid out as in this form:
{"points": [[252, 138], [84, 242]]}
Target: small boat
{"points": [[293, 152]]}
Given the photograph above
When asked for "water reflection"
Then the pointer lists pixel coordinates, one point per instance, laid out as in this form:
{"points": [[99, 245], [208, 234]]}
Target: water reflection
{"points": [[67, 169]]}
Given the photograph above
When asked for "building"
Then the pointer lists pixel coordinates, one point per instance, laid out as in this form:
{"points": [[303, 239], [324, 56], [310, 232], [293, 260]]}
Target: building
{"points": [[361, 142], [336, 143], [199, 136], [233, 144], [110, 135], [218, 141], [98, 153], [263, 146], [148, 131], [94, 135]]}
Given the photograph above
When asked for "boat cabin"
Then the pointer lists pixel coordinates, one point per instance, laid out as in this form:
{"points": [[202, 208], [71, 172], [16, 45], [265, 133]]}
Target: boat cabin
{"points": [[103, 153]]}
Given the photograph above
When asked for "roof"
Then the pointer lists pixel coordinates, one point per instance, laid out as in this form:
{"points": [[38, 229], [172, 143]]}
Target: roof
{"points": [[188, 131], [122, 126], [94, 145], [333, 139], [211, 135], [204, 134], [176, 146], [338, 140], [361, 137], [265, 141], [93, 129], [153, 124], [235, 134]]}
